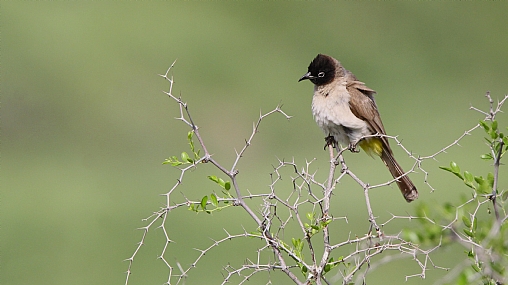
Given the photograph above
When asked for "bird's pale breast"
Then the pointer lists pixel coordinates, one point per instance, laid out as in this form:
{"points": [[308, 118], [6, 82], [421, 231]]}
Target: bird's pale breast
{"points": [[330, 107]]}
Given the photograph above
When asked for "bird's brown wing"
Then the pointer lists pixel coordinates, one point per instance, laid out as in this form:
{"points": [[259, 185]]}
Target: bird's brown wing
{"points": [[363, 106]]}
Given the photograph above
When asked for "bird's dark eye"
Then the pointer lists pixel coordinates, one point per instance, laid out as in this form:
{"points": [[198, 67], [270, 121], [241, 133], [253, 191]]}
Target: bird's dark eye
{"points": [[321, 74]]}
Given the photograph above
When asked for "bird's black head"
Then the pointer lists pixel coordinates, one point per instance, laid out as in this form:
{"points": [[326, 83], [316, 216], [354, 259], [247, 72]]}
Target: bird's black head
{"points": [[321, 70]]}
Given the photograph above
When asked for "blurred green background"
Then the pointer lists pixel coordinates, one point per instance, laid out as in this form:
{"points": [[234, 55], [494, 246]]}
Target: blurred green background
{"points": [[85, 125]]}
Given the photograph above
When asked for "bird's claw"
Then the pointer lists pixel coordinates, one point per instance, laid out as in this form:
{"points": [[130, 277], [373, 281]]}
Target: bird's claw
{"points": [[352, 148], [330, 141]]}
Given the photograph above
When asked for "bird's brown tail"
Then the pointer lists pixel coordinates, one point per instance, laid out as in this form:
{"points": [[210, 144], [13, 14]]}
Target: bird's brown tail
{"points": [[405, 184]]}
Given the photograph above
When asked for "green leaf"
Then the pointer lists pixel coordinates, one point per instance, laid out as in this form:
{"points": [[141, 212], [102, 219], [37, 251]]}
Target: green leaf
{"points": [[468, 233], [496, 147], [475, 267], [173, 163], [173, 160], [454, 167], [224, 184], [470, 254], [505, 196], [327, 268], [185, 156], [490, 179], [204, 200], [486, 156], [485, 126], [446, 168], [484, 189], [466, 221], [191, 143], [494, 125], [468, 179], [310, 216], [325, 223], [493, 134], [295, 242], [213, 178], [214, 200], [478, 179], [298, 244], [483, 185]]}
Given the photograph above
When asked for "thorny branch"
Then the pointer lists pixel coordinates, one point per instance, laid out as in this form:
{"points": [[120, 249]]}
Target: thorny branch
{"points": [[308, 206]]}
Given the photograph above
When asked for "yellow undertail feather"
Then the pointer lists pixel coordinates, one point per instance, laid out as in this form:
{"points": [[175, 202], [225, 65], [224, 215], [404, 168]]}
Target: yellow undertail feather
{"points": [[372, 146], [375, 146]]}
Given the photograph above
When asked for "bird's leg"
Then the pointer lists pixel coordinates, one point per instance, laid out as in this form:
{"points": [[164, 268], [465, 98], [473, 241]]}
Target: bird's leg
{"points": [[330, 141], [352, 147]]}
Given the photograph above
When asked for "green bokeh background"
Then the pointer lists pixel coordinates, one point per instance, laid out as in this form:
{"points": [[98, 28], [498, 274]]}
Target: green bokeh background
{"points": [[85, 125]]}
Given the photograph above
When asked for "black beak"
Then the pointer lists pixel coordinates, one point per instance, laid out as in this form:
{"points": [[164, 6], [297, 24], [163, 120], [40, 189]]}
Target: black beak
{"points": [[306, 76]]}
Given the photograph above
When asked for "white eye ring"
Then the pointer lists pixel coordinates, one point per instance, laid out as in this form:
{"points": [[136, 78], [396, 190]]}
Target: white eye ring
{"points": [[321, 74]]}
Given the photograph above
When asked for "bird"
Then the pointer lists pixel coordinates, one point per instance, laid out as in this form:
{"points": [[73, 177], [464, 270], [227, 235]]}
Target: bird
{"points": [[345, 109]]}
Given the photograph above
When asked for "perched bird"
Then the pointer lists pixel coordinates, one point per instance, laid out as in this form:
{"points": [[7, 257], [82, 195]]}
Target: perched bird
{"points": [[344, 108]]}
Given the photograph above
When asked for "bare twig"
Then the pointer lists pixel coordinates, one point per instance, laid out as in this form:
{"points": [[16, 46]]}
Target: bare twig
{"points": [[309, 254]]}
